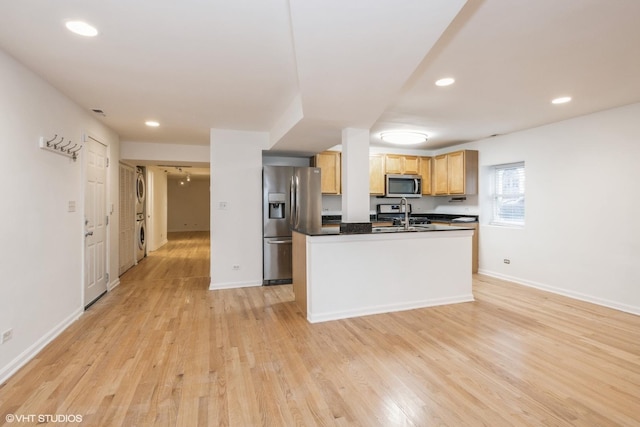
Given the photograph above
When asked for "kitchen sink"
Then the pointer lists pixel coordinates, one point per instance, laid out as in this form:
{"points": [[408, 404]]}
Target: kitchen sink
{"points": [[400, 228]]}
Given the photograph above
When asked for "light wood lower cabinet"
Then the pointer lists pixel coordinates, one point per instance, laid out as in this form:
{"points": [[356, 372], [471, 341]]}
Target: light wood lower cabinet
{"points": [[299, 270]]}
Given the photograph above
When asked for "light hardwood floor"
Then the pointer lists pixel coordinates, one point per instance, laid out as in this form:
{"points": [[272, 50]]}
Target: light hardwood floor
{"points": [[161, 349]]}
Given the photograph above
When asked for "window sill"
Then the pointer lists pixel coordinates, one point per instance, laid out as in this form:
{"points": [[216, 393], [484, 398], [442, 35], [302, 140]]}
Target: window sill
{"points": [[506, 225]]}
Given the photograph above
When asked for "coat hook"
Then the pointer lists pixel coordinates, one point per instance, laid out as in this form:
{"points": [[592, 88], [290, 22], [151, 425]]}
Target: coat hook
{"points": [[58, 143], [74, 154], [66, 145], [51, 140]]}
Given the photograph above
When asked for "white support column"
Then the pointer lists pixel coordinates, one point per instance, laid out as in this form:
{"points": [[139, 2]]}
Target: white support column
{"points": [[355, 175], [236, 208]]}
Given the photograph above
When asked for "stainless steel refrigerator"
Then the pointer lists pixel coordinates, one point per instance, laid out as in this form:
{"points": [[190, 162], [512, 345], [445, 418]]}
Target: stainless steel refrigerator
{"points": [[291, 199]]}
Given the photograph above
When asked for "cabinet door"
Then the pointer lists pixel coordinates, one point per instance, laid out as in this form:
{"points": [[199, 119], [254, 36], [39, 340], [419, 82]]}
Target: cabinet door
{"points": [[393, 163], [425, 172], [440, 174], [456, 172], [329, 162], [411, 165], [376, 174]]}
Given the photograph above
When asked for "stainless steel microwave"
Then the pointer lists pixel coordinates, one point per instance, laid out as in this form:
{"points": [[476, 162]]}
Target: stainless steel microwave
{"points": [[403, 185]]}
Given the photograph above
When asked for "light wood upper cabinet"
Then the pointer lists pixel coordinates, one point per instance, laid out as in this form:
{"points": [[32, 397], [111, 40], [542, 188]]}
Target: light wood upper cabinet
{"points": [[330, 164], [376, 174], [440, 181], [401, 164], [411, 165], [456, 173], [462, 172], [393, 163], [424, 167]]}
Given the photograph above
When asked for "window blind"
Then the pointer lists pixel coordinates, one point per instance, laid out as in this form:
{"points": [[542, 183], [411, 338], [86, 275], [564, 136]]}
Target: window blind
{"points": [[508, 194]]}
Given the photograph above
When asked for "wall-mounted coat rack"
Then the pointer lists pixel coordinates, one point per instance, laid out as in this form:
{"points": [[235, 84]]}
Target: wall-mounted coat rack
{"points": [[60, 146]]}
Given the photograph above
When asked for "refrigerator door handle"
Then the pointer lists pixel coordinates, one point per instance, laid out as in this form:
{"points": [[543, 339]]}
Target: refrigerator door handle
{"points": [[280, 242], [295, 203], [292, 204]]}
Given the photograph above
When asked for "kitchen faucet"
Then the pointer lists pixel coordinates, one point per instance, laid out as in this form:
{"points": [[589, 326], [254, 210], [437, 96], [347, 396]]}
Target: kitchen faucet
{"points": [[403, 201]]}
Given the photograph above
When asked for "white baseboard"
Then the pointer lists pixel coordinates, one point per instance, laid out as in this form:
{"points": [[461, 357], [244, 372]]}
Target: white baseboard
{"points": [[113, 284], [232, 285], [366, 311], [564, 292], [33, 350]]}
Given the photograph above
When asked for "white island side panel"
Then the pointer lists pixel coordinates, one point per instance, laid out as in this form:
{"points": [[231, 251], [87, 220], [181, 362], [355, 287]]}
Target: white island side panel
{"points": [[355, 275]]}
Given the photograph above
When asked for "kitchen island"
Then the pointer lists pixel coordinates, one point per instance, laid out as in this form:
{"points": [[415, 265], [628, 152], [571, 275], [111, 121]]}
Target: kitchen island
{"points": [[337, 276]]}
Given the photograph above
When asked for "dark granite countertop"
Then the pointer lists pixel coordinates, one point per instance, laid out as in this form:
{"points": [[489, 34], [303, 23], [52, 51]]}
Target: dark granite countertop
{"points": [[335, 231], [438, 217]]}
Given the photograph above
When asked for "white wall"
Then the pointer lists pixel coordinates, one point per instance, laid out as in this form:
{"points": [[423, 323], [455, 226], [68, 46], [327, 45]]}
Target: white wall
{"points": [[236, 207], [153, 152], [189, 207], [41, 249], [581, 236]]}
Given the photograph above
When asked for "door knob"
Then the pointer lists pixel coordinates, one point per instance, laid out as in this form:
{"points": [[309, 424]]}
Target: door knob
{"points": [[88, 233]]}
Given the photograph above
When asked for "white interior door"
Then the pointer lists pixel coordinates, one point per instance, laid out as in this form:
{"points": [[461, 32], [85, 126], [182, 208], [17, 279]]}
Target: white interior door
{"points": [[95, 220], [127, 223], [152, 244]]}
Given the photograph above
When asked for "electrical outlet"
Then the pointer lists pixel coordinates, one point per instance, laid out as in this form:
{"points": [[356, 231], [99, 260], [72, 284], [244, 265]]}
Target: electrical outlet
{"points": [[236, 267], [7, 335], [506, 261]]}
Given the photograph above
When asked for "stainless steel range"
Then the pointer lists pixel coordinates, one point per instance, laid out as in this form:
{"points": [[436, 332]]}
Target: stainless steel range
{"points": [[395, 212]]}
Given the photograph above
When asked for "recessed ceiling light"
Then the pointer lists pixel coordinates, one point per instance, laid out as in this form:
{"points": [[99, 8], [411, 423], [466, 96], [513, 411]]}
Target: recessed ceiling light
{"points": [[81, 28], [403, 137], [561, 100], [445, 81], [152, 123]]}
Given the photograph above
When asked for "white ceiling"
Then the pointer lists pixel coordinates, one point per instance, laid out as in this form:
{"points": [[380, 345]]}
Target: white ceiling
{"points": [[304, 69]]}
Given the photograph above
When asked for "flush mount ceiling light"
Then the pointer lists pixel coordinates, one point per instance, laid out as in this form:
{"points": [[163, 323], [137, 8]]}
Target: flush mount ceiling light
{"points": [[152, 123], [561, 100], [403, 137], [445, 81], [81, 28]]}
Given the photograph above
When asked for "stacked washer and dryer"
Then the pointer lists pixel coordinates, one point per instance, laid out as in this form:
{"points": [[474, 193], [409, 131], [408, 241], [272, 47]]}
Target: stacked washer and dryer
{"points": [[141, 231]]}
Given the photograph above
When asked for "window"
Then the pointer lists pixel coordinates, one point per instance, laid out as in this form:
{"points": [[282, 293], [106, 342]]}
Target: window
{"points": [[508, 194]]}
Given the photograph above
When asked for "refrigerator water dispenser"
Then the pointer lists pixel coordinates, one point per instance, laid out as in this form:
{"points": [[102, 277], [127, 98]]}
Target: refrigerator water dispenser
{"points": [[276, 205]]}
